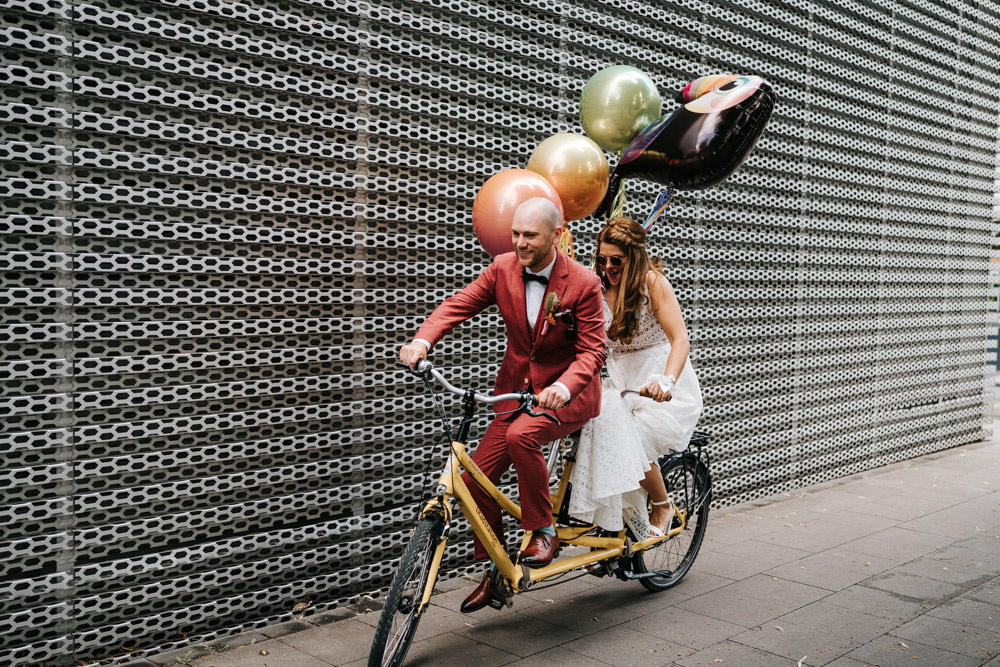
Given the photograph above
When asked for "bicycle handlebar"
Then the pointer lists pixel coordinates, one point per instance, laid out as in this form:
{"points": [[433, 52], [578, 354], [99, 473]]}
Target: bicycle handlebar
{"points": [[424, 366]]}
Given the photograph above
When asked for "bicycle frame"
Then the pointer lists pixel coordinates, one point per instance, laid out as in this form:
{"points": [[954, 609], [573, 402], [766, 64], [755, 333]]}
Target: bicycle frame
{"points": [[451, 487]]}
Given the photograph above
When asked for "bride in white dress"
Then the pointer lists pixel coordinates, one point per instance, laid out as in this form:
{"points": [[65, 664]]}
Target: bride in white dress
{"points": [[648, 349]]}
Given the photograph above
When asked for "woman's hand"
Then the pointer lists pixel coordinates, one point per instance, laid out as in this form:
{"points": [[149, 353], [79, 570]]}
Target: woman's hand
{"points": [[654, 391]]}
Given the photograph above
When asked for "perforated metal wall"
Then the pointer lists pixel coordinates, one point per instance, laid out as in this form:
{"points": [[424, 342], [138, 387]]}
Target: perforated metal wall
{"points": [[220, 220]]}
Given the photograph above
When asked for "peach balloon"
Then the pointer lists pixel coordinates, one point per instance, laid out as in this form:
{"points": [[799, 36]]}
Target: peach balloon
{"points": [[578, 170], [493, 210]]}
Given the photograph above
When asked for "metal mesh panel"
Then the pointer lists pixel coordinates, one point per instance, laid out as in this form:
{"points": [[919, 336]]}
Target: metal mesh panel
{"points": [[220, 221]]}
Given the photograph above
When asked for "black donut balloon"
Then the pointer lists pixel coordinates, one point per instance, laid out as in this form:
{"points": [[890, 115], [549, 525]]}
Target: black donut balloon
{"points": [[701, 143]]}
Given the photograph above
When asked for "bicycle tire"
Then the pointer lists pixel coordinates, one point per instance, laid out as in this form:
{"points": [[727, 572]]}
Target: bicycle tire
{"points": [[675, 556], [397, 623]]}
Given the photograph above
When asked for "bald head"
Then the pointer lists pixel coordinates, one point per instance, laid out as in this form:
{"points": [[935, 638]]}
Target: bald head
{"points": [[536, 227], [541, 210]]}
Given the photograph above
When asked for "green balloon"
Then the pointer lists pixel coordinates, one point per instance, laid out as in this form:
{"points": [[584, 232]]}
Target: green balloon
{"points": [[617, 103]]}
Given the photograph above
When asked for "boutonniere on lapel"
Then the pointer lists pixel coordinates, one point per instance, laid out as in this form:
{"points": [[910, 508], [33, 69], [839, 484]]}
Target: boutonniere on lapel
{"points": [[549, 310]]}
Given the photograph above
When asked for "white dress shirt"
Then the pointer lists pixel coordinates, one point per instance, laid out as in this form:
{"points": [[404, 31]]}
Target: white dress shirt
{"points": [[534, 294]]}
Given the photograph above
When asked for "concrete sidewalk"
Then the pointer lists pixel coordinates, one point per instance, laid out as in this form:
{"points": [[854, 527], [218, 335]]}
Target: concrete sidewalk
{"points": [[896, 566]]}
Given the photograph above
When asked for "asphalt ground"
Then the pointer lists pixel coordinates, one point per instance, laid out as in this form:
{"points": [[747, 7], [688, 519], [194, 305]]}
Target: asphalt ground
{"points": [[895, 566]]}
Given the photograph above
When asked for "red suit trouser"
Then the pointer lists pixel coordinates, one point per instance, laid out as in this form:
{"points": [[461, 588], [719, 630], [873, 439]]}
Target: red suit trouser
{"points": [[518, 441]]}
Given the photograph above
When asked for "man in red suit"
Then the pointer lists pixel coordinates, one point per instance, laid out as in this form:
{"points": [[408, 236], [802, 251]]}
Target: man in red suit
{"points": [[560, 362]]}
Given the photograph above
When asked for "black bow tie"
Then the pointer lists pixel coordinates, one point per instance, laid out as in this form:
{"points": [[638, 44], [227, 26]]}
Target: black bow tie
{"points": [[528, 276]]}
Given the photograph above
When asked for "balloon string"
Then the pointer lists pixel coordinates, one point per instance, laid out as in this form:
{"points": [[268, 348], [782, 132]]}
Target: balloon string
{"points": [[566, 242], [618, 204], [659, 209]]}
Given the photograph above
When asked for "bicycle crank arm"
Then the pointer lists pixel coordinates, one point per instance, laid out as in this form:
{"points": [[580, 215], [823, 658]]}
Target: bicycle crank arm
{"points": [[647, 575]]}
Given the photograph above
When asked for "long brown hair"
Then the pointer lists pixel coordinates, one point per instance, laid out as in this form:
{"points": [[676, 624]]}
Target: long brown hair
{"points": [[629, 236]]}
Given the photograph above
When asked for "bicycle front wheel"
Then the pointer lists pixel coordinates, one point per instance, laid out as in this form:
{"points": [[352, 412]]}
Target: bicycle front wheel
{"points": [[401, 613], [689, 487]]}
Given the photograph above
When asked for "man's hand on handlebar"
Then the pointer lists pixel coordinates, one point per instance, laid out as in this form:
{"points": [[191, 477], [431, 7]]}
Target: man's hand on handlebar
{"points": [[411, 353], [551, 398]]}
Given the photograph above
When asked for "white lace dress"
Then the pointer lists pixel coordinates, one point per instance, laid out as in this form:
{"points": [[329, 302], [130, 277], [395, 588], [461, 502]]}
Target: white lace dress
{"points": [[616, 448]]}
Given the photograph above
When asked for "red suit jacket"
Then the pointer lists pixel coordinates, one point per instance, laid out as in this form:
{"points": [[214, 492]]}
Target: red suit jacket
{"points": [[533, 359]]}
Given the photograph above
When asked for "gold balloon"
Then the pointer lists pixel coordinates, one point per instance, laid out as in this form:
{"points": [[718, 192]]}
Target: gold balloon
{"points": [[577, 169], [616, 104]]}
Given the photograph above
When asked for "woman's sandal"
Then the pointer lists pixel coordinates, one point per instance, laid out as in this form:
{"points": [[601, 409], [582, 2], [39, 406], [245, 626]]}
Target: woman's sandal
{"points": [[653, 530]]}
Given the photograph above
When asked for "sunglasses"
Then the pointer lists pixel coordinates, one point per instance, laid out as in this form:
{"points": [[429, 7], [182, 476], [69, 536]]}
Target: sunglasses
{"points": [[615, 260]]}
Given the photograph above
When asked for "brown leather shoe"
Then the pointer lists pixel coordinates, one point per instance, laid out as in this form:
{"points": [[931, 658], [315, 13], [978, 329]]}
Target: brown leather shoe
{"points": [[540, 550], [479, 597]]}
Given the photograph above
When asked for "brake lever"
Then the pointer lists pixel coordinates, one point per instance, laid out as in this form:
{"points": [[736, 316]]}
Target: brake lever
{"points": [[416, 371], [529, 404]]}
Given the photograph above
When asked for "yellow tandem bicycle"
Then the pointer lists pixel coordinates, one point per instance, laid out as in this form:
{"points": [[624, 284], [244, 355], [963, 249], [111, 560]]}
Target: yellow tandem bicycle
{"points": [[658, 563]]}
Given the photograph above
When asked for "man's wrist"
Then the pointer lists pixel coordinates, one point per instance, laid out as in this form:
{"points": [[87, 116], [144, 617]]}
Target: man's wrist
{"points": [[565, 390], [426, 344]]}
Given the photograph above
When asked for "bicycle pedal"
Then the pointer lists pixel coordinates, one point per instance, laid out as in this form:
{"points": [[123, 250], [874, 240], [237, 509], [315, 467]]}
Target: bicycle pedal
{"points": [[500, 604]]}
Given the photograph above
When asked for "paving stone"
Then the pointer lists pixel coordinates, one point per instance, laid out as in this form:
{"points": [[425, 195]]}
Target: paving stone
{"points": [[961, 575], [905, 512], [970, 612], [696, 582], [335, 643], [622, 646], [685, 627], [235, 641], [332, 616], [988, 592], [947, 491], [519, 634], [847, 623], [852, 561], [180, 655], [877, 603], [452, 601], [897, 543], [635, 599], [434, 621], [452, 649], [732, 654], [816, 536], [916, 587], [277, 654], [889, 651], [830, 500], [759, 549], [844, 661], [796, 642], [926, 505], [737, 609], [967, 557], [739, 530], [989, 543], [558, 590], [951, 636], [731, 567], [829, 577], [862, 519], [582, 613], [955, 522], [558, 657], [781, 591], [286, 628]]}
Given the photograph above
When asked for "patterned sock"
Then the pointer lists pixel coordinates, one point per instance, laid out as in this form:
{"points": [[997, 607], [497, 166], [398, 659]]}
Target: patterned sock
{"points": [[547, 530]]}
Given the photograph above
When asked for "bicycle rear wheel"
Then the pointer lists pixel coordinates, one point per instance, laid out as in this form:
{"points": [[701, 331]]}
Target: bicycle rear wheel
{"points": [[401, 613], [689, 487]]}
